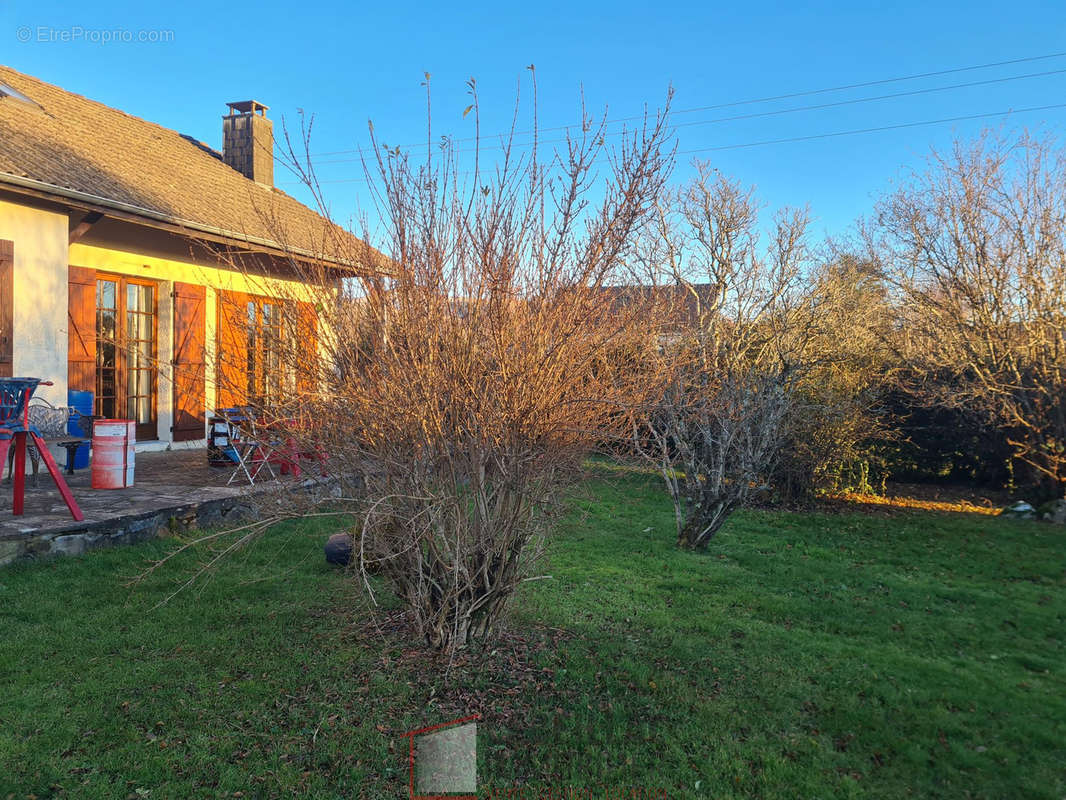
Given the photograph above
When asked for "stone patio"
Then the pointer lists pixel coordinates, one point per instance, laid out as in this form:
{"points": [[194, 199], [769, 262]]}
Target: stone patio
{"points": [[173, 491]]}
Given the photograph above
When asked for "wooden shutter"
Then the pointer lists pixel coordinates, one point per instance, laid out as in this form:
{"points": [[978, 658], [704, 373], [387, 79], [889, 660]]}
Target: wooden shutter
{"points": [[81, 329], [188, 364], [7, 307], [307, 348], [231, 374]]}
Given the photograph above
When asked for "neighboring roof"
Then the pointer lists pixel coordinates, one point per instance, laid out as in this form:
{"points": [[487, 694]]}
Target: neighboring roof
{"points": [[74, 148], [686, 301]]}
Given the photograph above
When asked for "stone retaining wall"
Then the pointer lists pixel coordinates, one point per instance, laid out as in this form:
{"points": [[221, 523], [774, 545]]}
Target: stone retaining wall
{"points": [[79, 537]]}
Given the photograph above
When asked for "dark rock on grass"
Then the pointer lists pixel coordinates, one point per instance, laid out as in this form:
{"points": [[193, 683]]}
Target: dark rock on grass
{"points": [[339, 549]]}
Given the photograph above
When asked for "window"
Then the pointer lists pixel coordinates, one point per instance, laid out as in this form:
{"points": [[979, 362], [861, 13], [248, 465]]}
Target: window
{"points": [[125, 352], [265, 350], [266, 368]]}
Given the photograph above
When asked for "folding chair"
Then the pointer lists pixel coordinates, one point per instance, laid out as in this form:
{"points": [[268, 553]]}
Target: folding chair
{"points": [[248, 448]]}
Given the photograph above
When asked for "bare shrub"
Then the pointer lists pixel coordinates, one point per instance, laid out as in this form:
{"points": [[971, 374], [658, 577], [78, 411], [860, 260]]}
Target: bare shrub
{"points": [[734, 353], [466, 376]]}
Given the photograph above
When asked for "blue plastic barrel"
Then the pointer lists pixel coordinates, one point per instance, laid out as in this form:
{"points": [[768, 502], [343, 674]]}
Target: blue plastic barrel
{"points": [[82, 402]]}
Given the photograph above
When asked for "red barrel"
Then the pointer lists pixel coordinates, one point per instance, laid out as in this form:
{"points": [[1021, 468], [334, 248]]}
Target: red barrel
{"points": [[113, 453]]}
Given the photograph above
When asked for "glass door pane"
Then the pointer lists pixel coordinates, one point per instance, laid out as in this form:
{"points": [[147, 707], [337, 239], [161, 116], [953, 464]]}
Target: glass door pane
{"points": [[107, 333], [272, 351], [140, 366], [125, 353], [254, 394]]}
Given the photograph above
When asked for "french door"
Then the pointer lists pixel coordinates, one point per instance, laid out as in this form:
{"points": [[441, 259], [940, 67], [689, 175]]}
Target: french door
{"points": [[126, 373]]}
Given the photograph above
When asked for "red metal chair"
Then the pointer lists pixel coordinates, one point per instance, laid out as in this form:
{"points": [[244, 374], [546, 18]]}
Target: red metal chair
{"points": [[295, 446], [15, 426]]}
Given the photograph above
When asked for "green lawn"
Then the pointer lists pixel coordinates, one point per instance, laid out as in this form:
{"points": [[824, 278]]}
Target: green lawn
{"points": [[805, 656]]}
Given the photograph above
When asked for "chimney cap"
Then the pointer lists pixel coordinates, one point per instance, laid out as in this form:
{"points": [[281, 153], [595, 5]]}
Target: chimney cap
{"points": [[247, 107]]}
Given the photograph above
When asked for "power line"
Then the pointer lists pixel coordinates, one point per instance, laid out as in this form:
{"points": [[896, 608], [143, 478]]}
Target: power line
{"points": [[854, 101], [776, 112], [870, 130], [751, 101], [880, 82], [812, 137]]}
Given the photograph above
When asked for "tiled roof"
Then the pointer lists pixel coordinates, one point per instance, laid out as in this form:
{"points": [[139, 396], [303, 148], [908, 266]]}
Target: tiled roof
{"points": [[687, 301], [72, 143]]}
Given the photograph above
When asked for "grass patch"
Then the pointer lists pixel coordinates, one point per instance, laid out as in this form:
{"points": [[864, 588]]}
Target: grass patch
{"points": [[806, 655]]}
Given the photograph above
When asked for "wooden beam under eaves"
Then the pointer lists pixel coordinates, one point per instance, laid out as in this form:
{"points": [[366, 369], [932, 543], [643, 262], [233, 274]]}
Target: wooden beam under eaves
{"points": [[82, 227]]}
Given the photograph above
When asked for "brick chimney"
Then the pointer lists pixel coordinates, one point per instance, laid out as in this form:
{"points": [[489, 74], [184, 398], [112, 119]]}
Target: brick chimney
{"points": [[248, 141]]}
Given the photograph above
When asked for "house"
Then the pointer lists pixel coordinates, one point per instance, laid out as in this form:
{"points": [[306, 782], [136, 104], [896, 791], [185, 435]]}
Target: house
{"points": [[143, 266], [683, 305]]}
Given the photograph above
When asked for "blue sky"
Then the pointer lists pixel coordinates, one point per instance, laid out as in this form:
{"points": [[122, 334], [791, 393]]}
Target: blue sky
{"points": [[347, 63]]}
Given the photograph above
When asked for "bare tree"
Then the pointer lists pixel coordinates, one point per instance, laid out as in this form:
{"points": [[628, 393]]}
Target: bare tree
{"points": [[976, 248], [734, 351]]}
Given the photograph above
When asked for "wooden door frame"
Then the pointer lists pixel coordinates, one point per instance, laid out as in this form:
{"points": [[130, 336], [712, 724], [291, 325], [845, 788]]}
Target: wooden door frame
{"points": [[7, 307], [145, 431]]}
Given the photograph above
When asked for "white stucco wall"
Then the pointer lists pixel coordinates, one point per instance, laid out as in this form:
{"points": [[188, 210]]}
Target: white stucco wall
{"points": [[40, 292]]}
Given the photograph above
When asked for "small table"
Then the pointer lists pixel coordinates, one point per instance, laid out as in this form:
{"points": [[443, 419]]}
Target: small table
{"points": [[71, 446]]}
